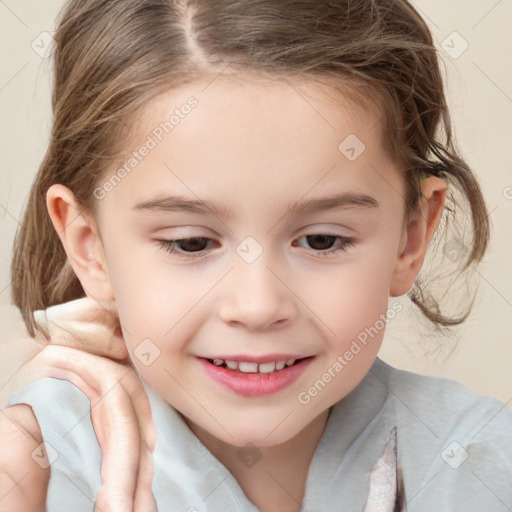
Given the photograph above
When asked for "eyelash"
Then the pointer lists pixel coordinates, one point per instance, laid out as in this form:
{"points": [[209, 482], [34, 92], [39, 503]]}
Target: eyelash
{"points": [[171, 245]]}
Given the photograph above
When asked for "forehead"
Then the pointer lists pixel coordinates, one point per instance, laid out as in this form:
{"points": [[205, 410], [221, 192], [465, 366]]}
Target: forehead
{"points": [[294, 107], [228, 137]]}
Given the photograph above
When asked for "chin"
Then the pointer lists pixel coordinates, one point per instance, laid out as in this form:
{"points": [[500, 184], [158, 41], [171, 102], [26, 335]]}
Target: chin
{"points": [[260, 439], [248, 432], [272, 433]]}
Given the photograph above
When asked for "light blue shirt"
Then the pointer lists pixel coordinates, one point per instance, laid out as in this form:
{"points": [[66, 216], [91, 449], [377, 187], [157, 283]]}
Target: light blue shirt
{"points": [[455, 449]]}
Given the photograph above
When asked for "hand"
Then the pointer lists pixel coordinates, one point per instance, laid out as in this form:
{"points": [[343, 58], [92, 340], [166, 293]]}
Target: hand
{"points": [[84, 324], [120, 409]]}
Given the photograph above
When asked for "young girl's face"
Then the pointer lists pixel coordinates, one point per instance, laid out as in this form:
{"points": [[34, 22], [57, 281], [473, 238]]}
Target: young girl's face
{"points": [[273, 265]]}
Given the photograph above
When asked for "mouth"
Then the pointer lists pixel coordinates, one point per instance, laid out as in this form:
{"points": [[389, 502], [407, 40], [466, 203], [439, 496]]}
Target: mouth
{"points": [[254, 379], [254, 367]]}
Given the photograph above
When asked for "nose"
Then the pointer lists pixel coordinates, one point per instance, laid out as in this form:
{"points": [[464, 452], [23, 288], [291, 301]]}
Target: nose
{"points": [[257, 297]]}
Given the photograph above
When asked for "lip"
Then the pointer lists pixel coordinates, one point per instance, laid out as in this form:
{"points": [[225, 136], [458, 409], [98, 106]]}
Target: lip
{"points": [[256, 384], [268, 358]]}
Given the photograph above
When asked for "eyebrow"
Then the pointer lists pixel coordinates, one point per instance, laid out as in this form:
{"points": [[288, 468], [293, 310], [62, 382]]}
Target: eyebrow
{"points": [[177, 203]]}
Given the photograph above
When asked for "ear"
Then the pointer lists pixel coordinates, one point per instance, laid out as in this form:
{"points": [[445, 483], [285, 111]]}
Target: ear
{"points": [[81, 241], [417, 234]]}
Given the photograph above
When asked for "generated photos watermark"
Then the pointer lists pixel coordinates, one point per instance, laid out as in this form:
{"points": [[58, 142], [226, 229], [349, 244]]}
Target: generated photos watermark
{"points": [[151, 142], [343, 360]]}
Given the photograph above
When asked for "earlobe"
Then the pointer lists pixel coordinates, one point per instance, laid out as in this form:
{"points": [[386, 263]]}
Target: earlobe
{"points": [[79, 237], [416, 236]]}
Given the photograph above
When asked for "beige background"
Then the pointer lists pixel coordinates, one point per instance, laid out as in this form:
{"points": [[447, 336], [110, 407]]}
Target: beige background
{"points": [[480, 95]]}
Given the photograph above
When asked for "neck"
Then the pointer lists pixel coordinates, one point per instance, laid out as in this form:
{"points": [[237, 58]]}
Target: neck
{"points": [[274, 479]]}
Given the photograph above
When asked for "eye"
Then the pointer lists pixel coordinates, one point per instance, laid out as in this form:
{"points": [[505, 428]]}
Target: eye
{"points": [[190, 248], [328, 244], [185, 246]]}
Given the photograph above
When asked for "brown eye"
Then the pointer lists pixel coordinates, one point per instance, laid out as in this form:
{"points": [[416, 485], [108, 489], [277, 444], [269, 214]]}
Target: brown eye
{"points": [[185, 246], [327, 244]]}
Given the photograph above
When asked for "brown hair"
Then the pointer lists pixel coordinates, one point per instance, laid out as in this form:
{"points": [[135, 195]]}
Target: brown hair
{"points": [[113, 55]]}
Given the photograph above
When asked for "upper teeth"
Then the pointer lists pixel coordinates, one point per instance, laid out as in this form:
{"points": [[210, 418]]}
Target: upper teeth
{"points": [[247, 367]]}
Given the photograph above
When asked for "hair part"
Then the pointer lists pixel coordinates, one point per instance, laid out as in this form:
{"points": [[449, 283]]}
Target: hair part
{"points": [[112, 56]]}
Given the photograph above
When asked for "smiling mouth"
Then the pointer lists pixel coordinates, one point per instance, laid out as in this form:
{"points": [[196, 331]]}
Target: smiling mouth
{"points": [[255, 379], [251, 367]]}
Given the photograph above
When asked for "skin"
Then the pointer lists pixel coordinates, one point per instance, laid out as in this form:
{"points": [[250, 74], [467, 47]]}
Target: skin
{"points": [[85, 349], [253, 148], [23, 483]]}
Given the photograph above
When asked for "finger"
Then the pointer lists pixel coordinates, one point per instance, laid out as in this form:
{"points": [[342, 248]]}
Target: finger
{"points": [[122, 420], [144, 499], [85, 324], [83, 370], [116, 428], [121, 416], [65, 363], [133, 386], [83, 309], [120, 454], [127, 463]]}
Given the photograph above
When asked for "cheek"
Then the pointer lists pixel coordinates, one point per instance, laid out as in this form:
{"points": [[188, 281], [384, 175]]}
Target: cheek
{"points": [[160, 307], [350, 295], [351, 301], [155, 300]]}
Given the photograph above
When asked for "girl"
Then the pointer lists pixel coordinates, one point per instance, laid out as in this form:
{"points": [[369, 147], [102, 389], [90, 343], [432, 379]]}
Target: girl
{"points": [[245, 184]]}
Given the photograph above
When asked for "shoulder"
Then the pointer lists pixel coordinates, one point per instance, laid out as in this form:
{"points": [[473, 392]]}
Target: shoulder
{"points": [[446, 404], [456, 441]]}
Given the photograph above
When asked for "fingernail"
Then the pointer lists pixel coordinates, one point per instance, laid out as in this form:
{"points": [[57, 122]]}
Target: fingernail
{"points": [[40, 316]]}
